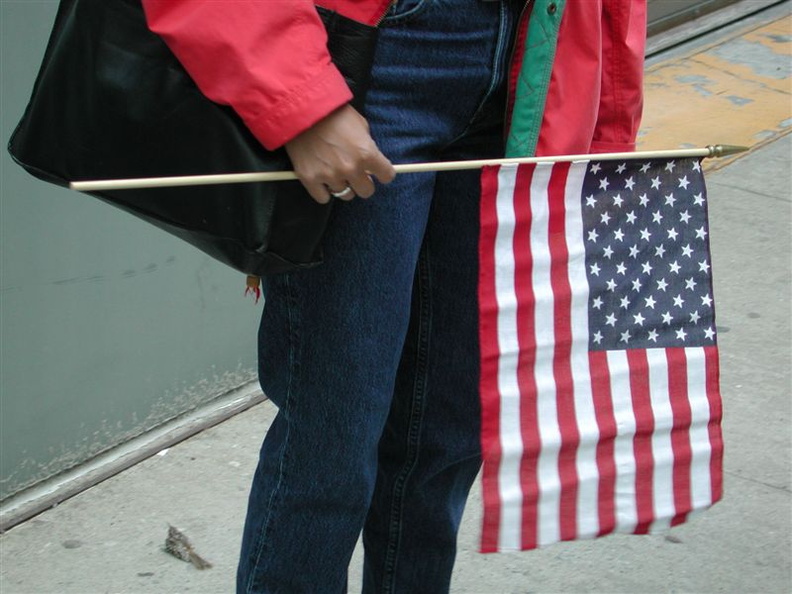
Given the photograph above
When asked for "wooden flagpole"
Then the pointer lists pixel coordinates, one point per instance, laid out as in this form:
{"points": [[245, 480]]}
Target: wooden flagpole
{"points": [[268, 176]]}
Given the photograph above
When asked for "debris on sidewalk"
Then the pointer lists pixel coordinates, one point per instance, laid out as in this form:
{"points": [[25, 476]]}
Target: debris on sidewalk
{"points": [[178, 545]]}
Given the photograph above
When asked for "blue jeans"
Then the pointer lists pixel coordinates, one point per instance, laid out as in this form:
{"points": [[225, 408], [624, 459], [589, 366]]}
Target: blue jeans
{"points": [[372, 357]]}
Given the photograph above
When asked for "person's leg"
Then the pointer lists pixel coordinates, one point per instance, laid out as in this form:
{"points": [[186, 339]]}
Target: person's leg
{"points": [[331, 338], [429, 452], [430, 449]]}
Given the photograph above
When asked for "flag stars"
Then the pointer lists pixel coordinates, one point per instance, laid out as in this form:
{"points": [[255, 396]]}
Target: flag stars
{"points": [[646, 255], [696, 166]]}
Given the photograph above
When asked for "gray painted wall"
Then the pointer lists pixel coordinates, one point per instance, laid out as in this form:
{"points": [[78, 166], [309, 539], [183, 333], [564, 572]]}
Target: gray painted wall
{"points": [[108, 327]]}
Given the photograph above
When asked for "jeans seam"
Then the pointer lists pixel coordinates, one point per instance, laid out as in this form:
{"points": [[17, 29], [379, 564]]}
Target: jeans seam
{"points": [[293, 341], [416, 419]]}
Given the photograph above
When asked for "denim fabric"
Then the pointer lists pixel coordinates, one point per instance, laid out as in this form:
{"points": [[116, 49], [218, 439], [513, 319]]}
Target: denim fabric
{"points": [[372, 357]]}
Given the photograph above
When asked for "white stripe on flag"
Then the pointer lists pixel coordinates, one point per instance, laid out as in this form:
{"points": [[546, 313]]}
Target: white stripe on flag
{"points": [[625, 495], [510, 434], [700, 485], [585, 415], [662, 452], [547, 414]]}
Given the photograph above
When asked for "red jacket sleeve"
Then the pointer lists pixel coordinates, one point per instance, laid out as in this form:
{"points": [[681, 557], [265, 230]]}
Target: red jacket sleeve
{"points": [[268, 60]]}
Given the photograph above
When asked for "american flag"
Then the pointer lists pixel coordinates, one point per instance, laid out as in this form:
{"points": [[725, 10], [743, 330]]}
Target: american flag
{"points": [[599, 364]]}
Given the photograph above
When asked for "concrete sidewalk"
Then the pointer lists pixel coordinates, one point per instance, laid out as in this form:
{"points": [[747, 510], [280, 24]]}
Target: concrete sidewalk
{"points": [[110, 538]]}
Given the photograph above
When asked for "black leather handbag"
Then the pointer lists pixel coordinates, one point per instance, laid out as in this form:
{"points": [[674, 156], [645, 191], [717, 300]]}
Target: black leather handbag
{"points": [[112, 101]]}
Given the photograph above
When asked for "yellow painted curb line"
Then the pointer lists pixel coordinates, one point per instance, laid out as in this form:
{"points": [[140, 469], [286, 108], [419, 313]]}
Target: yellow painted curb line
{"points": [[736, 90]]}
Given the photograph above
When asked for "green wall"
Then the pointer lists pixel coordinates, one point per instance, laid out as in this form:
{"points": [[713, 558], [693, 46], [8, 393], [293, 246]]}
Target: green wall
{"points": [[108, 326]]}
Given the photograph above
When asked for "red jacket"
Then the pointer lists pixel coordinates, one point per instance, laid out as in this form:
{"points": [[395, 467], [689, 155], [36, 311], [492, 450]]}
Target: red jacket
{"points": [[268, 60], [594, 99]]}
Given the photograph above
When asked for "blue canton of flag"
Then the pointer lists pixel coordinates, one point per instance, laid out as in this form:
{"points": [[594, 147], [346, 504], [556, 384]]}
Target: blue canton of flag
{"points": [[647, 255]]}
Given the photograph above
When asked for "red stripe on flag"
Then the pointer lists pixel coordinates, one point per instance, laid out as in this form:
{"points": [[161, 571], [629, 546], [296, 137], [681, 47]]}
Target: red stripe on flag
{"points": [[526, 380], [490, 355], [606, 454], [712, 363], [642, 441], [562, 362], [680, 434]]}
